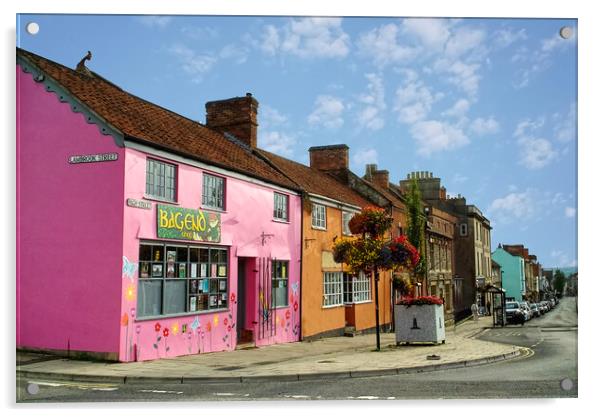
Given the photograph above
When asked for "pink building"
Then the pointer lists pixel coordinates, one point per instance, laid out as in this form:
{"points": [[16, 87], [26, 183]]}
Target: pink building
{"points": [[142, 234]]}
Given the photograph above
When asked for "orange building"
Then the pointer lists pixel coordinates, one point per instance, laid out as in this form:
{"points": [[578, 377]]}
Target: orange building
{"points": [[333, 299]]}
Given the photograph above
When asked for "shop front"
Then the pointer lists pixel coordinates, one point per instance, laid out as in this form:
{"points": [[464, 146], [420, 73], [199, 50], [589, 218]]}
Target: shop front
{"points": [[201, 280]]}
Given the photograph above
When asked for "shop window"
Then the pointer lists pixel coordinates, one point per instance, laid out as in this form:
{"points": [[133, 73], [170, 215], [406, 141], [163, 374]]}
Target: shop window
{"points": [[213, 192], [347, 216], [181, 279], [160, 180], [280, 206], [333, 289], [318, 216], [356, 288], [279, 284]]}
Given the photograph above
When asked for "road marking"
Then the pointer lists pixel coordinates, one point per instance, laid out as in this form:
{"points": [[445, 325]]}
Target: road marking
{"points": [[223, 394], [157, 391], [91, 387]]}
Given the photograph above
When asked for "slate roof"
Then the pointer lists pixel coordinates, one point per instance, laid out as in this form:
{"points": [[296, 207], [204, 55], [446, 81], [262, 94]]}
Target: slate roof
{"points": [[315, 181], [148, 123]]}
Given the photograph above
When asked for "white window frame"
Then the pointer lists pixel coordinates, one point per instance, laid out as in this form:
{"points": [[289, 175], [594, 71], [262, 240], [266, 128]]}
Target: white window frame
{"points": [[318, 221], [332, 289], [347, 216], [361, 289], [463, 229], [210, 182], [158, 171], [281, 207]]}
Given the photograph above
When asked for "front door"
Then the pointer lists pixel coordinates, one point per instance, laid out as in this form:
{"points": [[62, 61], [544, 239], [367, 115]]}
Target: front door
{"points": [[242, 295]]}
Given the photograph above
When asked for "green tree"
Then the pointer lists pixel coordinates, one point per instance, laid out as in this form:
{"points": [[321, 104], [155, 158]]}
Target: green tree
{"points": [[416, 222], [559, 282]]}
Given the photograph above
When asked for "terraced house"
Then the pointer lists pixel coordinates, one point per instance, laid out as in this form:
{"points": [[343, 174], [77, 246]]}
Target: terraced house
{"points": [[143, 234]]}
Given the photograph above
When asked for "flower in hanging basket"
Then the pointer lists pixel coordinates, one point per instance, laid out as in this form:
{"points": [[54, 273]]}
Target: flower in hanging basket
{"points": [[371, 220], [419, 301], [403, 253]]}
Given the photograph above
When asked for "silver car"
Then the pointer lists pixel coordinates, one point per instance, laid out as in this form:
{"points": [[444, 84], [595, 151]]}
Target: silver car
{"points": [[525, 307]]}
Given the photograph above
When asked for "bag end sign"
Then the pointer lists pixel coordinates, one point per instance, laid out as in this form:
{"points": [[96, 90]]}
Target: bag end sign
{"points": [[99, 157]]}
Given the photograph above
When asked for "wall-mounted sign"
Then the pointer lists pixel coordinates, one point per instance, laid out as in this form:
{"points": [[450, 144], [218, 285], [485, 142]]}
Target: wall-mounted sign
{"points": [[131, 202], [99, 157], [189, 224]]}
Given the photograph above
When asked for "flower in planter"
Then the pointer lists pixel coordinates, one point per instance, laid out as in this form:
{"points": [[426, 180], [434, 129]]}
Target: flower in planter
{"points": [[371, 220], [418, 301]]}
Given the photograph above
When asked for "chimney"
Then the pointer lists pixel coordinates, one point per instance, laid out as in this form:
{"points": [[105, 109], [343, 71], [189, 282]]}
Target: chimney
{"points": [[442, 192], [236, 116], [377, 177], [329, 158]]}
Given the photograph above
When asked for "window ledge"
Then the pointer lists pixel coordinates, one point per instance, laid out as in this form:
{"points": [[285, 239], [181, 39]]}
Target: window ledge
{"points": [[275, 220], [333, 306], [159, 199], [171, 316], [318, 228], [358, 302], [217, 210]]}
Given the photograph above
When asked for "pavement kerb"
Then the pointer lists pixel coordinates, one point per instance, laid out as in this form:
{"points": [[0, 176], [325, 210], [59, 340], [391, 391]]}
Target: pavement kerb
{"points": [[518, 351]]}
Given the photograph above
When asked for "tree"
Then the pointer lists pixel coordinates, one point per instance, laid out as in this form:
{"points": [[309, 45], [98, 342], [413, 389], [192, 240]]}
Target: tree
{"points": [[416, 223], [559, 282]]}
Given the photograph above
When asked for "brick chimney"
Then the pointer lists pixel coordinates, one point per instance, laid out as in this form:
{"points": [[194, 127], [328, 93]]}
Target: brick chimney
{"points": [[377, 177], [236, 116], [329, 158]]}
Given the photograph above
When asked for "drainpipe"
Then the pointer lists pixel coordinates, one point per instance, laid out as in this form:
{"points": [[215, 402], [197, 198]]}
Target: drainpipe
{"points": [[302, 248]]}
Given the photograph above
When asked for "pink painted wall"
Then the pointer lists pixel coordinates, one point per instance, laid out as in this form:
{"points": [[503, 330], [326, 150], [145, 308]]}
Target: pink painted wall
{"points": [[249, 211], [69, 227]]}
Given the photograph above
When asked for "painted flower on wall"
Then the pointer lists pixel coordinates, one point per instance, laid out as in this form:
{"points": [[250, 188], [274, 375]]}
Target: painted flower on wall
{"points": [[232, 297], [208, 326], [175, 328], [296, 306], [165, 332], [215, 320], [157, 327], [225, 321], [130, 293], [124, 319]]}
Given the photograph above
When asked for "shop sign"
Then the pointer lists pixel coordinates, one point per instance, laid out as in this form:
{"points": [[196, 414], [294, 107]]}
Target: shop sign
{"points": [[99, 157], [131, 202], [188, 224]]}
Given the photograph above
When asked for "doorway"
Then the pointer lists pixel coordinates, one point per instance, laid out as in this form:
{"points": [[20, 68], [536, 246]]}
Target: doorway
{"points": [[243, 334]]}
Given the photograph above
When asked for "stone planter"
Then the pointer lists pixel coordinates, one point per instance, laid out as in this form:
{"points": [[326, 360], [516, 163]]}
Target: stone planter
{"points": [[419, 323]]}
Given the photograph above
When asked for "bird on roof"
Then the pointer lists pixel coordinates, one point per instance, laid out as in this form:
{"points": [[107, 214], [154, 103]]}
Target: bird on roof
{"points": [[81, 66]]}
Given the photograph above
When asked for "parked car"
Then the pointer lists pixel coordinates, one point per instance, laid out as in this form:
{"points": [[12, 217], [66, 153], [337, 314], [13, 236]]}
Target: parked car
{"points": [[525, 307], [543, 307], [514, 314], [535, 309]]}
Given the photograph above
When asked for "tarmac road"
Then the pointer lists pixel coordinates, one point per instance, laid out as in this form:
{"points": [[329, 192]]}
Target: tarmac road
{"points": [[553, 358]]}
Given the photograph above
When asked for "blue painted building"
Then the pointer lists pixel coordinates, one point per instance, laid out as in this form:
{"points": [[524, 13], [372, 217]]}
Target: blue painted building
{"points": [[512, 273]]}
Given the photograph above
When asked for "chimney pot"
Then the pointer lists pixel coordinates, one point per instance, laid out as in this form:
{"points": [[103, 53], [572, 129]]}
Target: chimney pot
{"points": [[329, 158]]}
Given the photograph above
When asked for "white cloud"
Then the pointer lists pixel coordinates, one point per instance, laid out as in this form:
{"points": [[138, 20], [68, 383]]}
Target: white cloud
{"points": [[413, 101], [507, 36], [483, 127], [434, 136], [541, 59], [199, 33], [155, 21], [312, 37], [458, 179], [194, 64], [462, 74], [371, 115], [270, 117], [364, 156], [432, 33], [534, 152], [562, 259], [513, 207], [276, 142], [327, 112], [570, 211], [459, 109], [236, 53], [381, 45], [464, 40], [565, 129]]}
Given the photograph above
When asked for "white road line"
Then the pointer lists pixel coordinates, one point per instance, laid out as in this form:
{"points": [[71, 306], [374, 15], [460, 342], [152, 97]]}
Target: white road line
{"points": [[223, 394], [157, 391], [367, 397], [93, 387]]}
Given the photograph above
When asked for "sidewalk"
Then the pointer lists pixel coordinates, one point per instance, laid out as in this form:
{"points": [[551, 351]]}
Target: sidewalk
{"points": [[326, 358]]}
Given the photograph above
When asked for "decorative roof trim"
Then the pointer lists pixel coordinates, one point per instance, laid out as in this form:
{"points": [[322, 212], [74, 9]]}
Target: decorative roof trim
{"points": [[65, 96]]}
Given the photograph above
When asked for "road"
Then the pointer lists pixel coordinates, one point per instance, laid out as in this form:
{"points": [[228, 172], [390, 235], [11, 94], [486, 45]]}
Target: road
{"points": [[551, 338]]}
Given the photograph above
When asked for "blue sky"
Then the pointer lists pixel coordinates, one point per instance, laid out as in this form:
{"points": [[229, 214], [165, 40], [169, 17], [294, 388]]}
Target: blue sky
{"points": [[487, 105]]}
